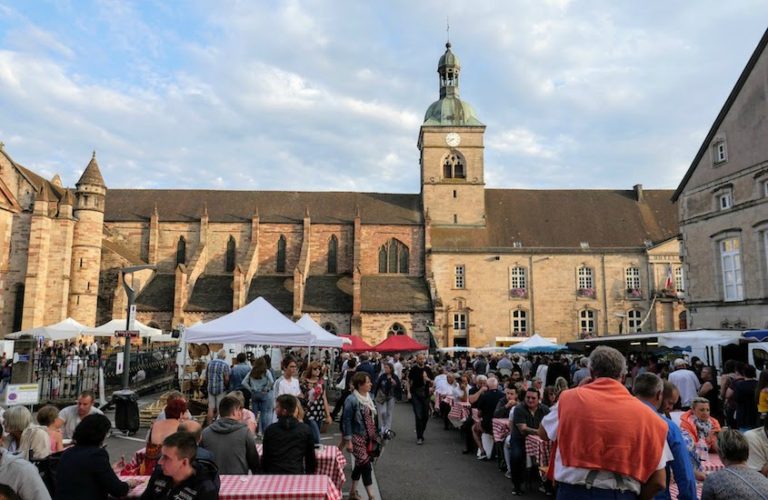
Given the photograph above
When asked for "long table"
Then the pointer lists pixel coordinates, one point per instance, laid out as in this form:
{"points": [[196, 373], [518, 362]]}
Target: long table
{"points": [[330, 462], [283, 487], [713, 464]]}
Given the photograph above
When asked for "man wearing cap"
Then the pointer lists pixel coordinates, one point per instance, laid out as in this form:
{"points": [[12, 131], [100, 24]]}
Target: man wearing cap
{"points": [[686, 382]]}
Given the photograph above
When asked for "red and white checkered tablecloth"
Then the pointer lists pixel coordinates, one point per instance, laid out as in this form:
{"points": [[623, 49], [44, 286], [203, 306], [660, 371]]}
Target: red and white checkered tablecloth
{"points": [[330, 462], [500, 429], [315, 487], [538, 449], [713, 464], [674, 492], [459, 410]]}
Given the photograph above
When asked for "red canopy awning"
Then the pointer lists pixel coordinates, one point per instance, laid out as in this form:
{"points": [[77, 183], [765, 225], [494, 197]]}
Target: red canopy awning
{"points": [[357, 345], [399, 343]]}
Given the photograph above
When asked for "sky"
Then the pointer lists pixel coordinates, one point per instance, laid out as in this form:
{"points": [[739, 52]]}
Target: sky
{"points": [[330, 94]]}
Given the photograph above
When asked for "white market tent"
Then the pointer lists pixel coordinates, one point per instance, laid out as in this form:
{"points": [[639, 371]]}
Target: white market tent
{"points": [[700, 339], [321, 337], [63, 330], [255, 323], [536, 343], [165, 337], [456, 349], [108, 329]]}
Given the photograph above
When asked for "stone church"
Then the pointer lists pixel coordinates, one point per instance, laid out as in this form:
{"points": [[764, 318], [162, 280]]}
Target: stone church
{"points": [[465, 263]]}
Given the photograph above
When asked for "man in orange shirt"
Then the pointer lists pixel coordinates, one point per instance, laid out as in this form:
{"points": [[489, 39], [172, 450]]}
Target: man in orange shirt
{"points": [[608, 444]]}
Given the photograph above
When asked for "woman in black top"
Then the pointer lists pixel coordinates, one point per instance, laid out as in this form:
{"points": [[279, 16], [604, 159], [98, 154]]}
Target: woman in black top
{"points": [[743, 393], [84, 472]]}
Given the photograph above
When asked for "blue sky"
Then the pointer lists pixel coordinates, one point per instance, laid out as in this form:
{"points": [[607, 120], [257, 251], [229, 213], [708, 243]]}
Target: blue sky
{"points": [[329, 95]]}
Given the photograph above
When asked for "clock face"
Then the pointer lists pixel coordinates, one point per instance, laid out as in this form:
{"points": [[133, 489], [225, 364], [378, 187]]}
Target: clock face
{"points": [[453, 139]]}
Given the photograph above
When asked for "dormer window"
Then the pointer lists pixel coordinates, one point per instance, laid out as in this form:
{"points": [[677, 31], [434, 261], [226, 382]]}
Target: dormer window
{"points": [[720, 152], [724, 199]]}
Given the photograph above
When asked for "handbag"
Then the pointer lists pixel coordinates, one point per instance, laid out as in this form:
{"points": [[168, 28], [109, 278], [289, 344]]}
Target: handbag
{"points": [[374, 448], [342, 383], [381, 398]]}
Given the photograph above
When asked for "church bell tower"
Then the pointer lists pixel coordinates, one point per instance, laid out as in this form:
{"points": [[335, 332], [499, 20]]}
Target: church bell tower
{"points": [[451, 146]]}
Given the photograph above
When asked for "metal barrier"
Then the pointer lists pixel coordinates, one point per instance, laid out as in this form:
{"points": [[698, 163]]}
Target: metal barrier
{"points": [[64, 378]]}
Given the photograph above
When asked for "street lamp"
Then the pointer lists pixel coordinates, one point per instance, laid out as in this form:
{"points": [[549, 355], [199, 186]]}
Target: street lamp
{"points": [[129, 322]]}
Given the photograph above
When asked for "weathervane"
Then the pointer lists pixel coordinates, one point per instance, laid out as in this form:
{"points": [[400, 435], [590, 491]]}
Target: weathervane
{"points": [[447, 30]]}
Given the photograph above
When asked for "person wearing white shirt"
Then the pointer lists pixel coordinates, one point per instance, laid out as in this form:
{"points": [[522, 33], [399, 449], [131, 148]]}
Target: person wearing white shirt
{"points": [[686, 382], [446, 386]]}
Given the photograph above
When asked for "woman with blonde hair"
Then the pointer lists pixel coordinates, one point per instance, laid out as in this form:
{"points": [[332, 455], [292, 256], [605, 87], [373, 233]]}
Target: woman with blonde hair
{"points": [[25, 438], [46, 416]]}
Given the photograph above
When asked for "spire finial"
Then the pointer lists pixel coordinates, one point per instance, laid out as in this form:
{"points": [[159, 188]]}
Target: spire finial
{"points": [[94, 155], [447, 33]]}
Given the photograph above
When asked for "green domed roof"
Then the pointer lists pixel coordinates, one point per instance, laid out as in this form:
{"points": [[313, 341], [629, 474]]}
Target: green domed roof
{"points": [[449, 58], [451, 110]]}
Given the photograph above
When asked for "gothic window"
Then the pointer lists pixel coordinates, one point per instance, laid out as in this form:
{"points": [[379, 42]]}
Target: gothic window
{"points": [[396, 329], [181, 251], [280, 266], [330, 328], [454, 166], [231, 248], [333, 246], [393, 257], [18, 307]]}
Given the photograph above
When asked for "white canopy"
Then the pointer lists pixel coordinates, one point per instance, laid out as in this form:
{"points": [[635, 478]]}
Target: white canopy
{"points": [[456, 349], [165, 337], [63, 330], [108, 329], [536, 343], [321, 337], [255, 323], [699, 339]]}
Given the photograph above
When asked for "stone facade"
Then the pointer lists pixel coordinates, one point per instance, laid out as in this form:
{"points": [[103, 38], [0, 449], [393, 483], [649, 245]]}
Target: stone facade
{"points": [[395, 255], [723, 207]]}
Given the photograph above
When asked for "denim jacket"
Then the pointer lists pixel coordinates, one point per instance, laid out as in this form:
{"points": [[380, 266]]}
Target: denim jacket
{"points": [[352, 418]]}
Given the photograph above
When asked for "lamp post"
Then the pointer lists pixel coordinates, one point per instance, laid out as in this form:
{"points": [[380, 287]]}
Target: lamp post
{"points": [[129, 322]]}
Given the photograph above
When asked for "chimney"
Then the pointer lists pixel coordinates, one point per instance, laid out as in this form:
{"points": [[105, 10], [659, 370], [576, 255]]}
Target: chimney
{"points": [[638, 192]]}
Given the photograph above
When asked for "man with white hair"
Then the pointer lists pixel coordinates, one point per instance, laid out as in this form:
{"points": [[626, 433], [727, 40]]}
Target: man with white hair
{"points": [[627, 448], [686, 382], [217, 375]]}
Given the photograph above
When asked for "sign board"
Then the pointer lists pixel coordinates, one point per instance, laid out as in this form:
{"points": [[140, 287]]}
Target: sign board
{"points": [[22, 394], [126, 333], [119, 365], [132, 314]]}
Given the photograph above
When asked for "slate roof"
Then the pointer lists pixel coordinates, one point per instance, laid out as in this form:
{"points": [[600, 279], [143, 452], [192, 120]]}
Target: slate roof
{"points": [[761, 45], [328, 294], [184, 205], [277, 290], [122, 251], [158, 294], [92, 174], [383, 293], [211, 293], [565, 218]]}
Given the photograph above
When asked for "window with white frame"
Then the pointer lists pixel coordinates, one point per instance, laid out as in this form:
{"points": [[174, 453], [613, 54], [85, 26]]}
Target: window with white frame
{"points": [[679, 281], [587, 323], [585, 282], [730, 267], [724, 199], [459, 323], [720, 152], [458, 277], [517, 282], [634, 320], [520, 321], [632, 275]]}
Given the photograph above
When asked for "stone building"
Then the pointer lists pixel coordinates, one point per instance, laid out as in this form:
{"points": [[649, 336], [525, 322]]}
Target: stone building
{"points": [[474, 266], [723, 206]]}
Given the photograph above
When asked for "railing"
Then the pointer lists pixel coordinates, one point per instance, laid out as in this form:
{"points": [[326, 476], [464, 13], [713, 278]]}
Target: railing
{"points": [[64, 377]]}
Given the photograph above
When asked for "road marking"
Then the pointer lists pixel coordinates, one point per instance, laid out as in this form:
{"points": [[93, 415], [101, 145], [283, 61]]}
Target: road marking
{"points": [[119, 436]]}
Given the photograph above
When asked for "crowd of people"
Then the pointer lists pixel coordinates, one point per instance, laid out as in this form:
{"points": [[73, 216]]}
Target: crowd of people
{"points": [[619, 427]]}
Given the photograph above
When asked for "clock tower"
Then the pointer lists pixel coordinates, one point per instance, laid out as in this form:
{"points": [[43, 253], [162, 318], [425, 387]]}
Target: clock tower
{"points": [[451, 146]]}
